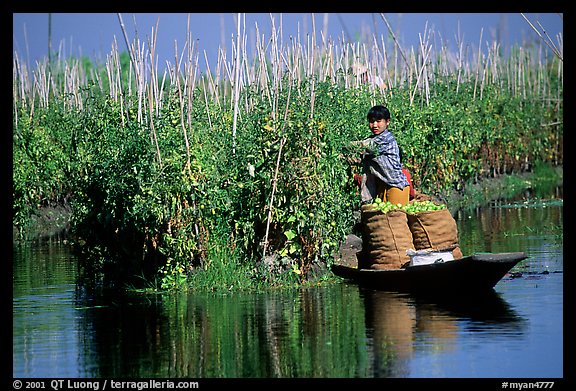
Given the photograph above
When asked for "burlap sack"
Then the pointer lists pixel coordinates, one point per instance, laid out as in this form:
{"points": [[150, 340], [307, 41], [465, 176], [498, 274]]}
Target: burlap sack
{"points": [[457, 253], [419, 196], [386, 237], [434, 230]]}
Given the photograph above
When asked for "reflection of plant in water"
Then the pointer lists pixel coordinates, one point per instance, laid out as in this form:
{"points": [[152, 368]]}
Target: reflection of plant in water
{"points": [[534, 203], [510, 226], [555, 231], [289, 333]]}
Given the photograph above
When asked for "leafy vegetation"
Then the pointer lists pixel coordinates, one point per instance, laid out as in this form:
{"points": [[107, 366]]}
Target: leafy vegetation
{"points": [[251, 186]]}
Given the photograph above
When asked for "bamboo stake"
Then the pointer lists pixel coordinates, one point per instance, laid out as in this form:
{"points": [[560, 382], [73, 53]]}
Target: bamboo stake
{"points": [[548, 42], [388, 79], [248, 71], [460, 61], [276, 170], [119, 83], [298, 63], [15, 89], [478, 65], [212, 83], [264, 79], [130, 52], [181, 100], [153, 130], [154, 68], [275, 83], [559, 99], [312, 94], [236, 83], [420, 74], [189, 74], [193, 76], [395, 40], [424, 65], [207, 107], [484, 78]]}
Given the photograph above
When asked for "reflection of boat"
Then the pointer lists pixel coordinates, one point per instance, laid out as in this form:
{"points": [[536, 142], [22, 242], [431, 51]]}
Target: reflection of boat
{"points": [[400, 324], [474, 273], [482, 308]]}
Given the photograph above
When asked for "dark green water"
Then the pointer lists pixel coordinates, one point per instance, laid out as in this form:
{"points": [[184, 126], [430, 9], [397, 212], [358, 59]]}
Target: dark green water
{"points": [[331, 331]]}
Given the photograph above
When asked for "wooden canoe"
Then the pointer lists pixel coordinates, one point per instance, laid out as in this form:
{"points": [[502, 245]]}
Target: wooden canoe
{"points": [[474, 274]]}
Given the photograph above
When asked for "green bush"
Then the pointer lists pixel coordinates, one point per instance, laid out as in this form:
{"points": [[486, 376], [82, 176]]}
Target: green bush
{"points": [[151, 210]]}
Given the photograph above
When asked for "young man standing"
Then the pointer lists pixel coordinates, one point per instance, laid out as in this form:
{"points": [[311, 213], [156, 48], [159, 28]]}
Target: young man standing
{"points": [[383, 176]]}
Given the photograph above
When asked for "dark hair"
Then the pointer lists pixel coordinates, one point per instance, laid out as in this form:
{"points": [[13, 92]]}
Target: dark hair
{"points": [[378, 112]]}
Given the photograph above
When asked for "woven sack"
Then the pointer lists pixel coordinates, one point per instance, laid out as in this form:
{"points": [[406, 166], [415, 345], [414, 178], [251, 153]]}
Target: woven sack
{"points": [[457, 253], [386, 237], [434, 230]]}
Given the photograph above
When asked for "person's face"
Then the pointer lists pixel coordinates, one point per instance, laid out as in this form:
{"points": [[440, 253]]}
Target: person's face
{"points": [[378, 126]]}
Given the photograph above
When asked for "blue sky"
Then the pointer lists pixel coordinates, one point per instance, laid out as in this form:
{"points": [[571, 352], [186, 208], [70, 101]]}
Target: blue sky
{"points": [[92, 34]]}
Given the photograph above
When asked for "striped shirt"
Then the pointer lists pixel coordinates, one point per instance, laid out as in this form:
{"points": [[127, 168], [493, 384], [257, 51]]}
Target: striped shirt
{"points": [[383, 160]]}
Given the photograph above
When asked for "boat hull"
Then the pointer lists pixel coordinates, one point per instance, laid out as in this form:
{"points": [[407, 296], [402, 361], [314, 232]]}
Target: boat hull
{"points": [[474, 273]]}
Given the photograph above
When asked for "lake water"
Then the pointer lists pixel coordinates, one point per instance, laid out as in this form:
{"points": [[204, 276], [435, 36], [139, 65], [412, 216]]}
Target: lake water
{"points": [[331, 331]]}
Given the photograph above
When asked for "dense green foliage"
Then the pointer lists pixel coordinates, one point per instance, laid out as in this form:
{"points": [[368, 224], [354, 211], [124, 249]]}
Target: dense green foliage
{"points": [[164, 205]]}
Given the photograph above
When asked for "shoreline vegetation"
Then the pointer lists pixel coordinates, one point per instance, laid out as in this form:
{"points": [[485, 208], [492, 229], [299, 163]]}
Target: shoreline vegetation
{"points": [[238, 177], [53, 222]]}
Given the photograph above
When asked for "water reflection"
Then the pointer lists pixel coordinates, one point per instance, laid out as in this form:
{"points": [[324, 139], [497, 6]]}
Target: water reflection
{"points": [[520, 224], [296, 333], [44, 324], [61, 329], [400, 324], [332, 331]]}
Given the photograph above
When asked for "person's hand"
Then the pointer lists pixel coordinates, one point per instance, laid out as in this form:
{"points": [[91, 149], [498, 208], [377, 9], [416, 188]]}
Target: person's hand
{"points": [[358, 179]]}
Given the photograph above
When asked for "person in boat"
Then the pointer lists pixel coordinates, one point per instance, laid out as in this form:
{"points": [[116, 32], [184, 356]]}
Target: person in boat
{"points": [[382, 176], [358, 179]]}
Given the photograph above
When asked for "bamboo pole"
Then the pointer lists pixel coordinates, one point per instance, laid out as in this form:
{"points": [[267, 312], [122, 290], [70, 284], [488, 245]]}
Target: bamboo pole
{"points": [[182, 110], [193, 75], [424, 63], [312, 94], [395, 40], [460, 44], [523, 74], [428, 50], [264, 79], [276, 170], [130, 48], [237, 67], [154, 68], [275, 82], [478, 66], [153, 129], [484, 77], [206, 105], [212, 82], [389, 72], [547, 41]]}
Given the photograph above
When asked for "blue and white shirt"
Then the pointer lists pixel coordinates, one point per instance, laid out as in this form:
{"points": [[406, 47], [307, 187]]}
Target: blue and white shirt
{"points": [[382, 159]]}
